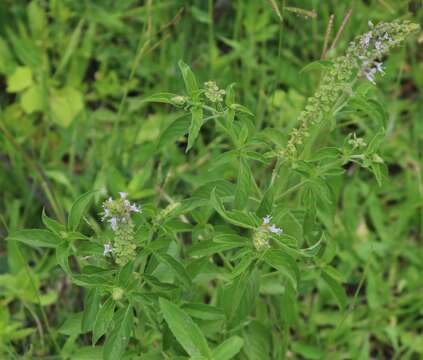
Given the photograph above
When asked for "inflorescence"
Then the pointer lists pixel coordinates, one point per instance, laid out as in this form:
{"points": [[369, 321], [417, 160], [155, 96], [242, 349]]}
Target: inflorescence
{"points": [[118, 214], [262, 234], [364, 57]]}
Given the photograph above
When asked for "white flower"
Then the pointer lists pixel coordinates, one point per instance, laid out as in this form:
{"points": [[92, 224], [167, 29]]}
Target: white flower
{"points": [[123, 195], [134, 208], [365, 41], [275, 230], [107, 249], [379, 67], [113, 223], [266, 219], [370, 24]]}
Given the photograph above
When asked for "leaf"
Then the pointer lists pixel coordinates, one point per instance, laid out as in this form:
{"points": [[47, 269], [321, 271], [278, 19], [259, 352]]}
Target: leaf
{"points": [[62, 255], [239, 218], [72, 325], [91, 306], [195, 126], [117, 341], [65, 104], [228, 349], [185, 330], [103, 319], [176, 267], [317, 65], [35, 238], [243, 187], [32, 99], [78, 209], [204, 312], [51, 224], [209, 247], [189, 80], [19, 80], [174, 131], [162, 97], [284, 263], [336, 289]]}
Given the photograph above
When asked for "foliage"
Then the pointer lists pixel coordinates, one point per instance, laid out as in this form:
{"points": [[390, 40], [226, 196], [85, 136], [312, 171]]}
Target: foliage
{"points": [[215, 207]]}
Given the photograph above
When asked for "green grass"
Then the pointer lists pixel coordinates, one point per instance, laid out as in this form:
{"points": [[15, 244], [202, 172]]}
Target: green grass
{"points": [[76, 115]]}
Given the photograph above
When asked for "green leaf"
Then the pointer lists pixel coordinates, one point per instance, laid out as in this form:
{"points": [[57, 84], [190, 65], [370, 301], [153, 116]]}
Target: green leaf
{"points": [[204, 312], [174, 131], [19, 80], [63, 252], [317, 65], [185, 330], [117, 341], [65, 105], [35, 238], [243, 187], [228, 349], [176, 267], [209, 247], [72, 325], [189, 80], [336, 289], [162, 97], [284, 263], [194, 128], [239, 218], [78, 210], [103, 319], [91, 307], [32, 99], [51, 224]]}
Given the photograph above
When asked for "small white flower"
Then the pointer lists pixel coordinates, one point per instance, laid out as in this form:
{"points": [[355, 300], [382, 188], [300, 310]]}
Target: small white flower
{"points": [[365, 41], [113, 223], [370, 75], [134, 208], [275, 230], [107, 249], [266, 219], [123, 195], [370, 24], [379, 67]]}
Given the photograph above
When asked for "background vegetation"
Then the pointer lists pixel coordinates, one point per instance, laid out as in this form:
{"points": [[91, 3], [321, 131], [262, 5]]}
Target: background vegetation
{"points": [[74, 76]]}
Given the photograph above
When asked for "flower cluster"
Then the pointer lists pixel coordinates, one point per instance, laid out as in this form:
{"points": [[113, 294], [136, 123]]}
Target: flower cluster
{"points": [[212, 92], [356, 142], [262, 234], [363, 58], [118, 214]]}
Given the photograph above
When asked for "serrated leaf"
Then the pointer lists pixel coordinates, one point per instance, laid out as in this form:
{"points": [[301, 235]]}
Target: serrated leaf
{"points": [[117, 341], [243, 187], [228, 349], [174, 131], [35, 238], [189, 79], [284, 263], [185, 330], [103, 319], [91, 306], [161, 97], [78, 209], [176, 267], [336, 289], [195, 126]]}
